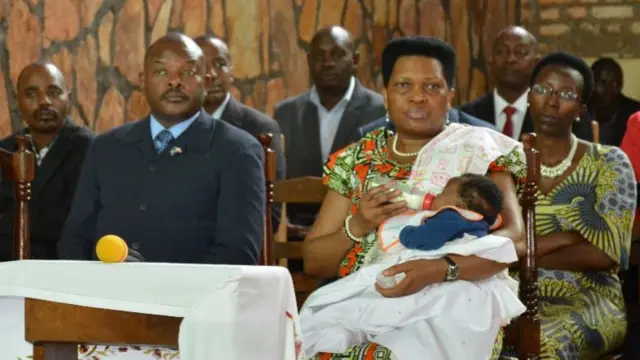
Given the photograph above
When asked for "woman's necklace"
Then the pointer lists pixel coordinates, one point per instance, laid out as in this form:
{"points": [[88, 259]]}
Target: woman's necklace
{"points": [[556, 171], [394, 146]]}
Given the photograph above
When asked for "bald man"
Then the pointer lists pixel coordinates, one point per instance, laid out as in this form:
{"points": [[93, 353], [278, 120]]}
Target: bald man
{"points": [[178, 186], [59, 146], [514, 54], [327, 117]]}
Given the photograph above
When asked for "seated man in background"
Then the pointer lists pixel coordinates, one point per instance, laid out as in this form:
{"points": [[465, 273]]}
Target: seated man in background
{"points": [[608, 105], [178, 186], [59, 147], [221, 105], [514, 54], [325, 118]]}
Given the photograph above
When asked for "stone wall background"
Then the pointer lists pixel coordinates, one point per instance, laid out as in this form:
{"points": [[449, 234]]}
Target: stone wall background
{"points": [[588, 28], [99, 44]]}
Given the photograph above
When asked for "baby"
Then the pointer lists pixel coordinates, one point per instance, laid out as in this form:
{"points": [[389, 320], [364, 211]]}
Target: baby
{"points": [[469, 204]]}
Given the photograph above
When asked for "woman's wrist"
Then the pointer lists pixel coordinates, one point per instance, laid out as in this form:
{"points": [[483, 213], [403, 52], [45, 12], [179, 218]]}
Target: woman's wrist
{"points": [[356, 228]]}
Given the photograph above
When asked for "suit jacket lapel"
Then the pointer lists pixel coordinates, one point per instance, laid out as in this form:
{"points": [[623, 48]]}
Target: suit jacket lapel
{"points": [[490, 109], [53, 159], [232, 113], [196, 138], [310, 125], [349, 121], [139, 134], [527, 125]]}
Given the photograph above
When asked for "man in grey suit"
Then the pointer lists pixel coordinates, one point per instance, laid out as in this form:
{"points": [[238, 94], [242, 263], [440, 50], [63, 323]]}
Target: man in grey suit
{"points": [[325, 118], [178, 186]]}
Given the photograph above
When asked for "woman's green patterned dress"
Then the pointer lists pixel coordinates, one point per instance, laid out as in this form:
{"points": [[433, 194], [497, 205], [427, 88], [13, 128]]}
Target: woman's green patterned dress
{"points": [[348, 172], [582, 313]]}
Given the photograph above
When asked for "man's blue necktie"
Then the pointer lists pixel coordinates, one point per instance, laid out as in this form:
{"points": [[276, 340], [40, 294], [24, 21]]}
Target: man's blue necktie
{"points": [[162, 140]]}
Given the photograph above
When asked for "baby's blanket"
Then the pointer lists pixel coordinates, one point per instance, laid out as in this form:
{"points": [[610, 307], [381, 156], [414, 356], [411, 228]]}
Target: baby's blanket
{"points": [[454, 320]]}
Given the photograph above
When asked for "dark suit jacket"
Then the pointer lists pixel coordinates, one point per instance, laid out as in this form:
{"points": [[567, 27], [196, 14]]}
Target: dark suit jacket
{"points": [[484, 108], [205, 205], [51, 192], [455, 116], [298, 118], [610, 134], [256, 123]]}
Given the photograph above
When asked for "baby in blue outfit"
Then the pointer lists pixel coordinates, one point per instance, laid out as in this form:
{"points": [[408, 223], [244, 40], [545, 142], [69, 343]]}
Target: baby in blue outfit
{"points": [[477, 196]]}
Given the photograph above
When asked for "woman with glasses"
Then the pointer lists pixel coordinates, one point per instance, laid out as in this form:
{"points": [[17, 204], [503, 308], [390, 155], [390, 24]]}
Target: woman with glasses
{"points": [[584, 216]]}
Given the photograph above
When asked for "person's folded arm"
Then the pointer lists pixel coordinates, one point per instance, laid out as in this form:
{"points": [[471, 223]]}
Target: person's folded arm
{"points": [[602, 235], [240, 210], [581, 256]]}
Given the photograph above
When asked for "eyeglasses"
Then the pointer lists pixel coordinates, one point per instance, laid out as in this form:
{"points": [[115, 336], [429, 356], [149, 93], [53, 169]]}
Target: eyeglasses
{"points": [[546, 91]]}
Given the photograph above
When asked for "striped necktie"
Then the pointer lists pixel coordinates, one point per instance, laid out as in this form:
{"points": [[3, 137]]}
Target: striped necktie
{"points": [[162, 140]]}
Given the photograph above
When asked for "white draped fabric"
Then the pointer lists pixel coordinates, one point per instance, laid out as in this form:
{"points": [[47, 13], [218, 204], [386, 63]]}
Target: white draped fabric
{"points": [[447, 321], [225, 308]]}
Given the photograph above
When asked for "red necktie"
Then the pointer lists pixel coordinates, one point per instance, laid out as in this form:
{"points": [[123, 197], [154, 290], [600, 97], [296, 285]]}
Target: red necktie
{"points": [[508, 125]]}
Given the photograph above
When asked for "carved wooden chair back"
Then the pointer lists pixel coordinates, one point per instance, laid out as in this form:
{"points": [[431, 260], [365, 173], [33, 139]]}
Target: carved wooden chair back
{"points": [[20, 167], [305, 190]]}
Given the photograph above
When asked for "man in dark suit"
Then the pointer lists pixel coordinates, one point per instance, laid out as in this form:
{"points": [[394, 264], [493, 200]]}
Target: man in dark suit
{"points": [[455, 116], [59, 146], [608, 105], [221, 105], [513, 57], [327, 117], [178, 186]]}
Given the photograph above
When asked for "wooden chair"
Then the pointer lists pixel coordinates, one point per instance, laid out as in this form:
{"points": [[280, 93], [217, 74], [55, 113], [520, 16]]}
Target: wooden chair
{"points": [[523, 334], [306, 190], [20, 167]]}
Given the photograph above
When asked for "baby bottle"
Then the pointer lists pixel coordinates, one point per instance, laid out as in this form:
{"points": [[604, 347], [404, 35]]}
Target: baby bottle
{"points": [[415, 200]]}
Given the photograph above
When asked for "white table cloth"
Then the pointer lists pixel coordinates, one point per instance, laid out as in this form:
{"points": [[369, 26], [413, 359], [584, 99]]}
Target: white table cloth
{"points": [[225, 308]]}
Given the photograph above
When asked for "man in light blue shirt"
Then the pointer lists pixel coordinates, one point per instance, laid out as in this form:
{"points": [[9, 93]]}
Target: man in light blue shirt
{"points": [[178, 186]]}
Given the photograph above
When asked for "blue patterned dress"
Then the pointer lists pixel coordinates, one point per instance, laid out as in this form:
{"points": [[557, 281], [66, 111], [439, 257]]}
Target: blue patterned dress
{"points": [[582, 313]]}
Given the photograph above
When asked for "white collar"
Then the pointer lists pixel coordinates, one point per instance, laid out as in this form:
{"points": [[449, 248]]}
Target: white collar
{"points": [[501, 103], [315, 97], [218, 113]]}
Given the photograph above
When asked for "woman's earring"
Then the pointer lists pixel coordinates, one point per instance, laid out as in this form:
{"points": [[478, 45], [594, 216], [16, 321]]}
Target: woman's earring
{"points": [[577, 118], [528, 104], [446, 121]]}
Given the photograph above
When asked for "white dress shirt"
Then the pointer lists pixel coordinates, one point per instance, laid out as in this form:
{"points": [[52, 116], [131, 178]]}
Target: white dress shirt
{"points": [[518, 117], [218, 113], [330, 120]]}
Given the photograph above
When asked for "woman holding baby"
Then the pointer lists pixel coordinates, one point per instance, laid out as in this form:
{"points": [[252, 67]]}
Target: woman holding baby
{"points": [[584, 215], [418, 74]]}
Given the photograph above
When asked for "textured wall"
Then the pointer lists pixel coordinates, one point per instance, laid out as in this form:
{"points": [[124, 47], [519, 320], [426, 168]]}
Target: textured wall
{"points": [[99, 44], [588, 28]]}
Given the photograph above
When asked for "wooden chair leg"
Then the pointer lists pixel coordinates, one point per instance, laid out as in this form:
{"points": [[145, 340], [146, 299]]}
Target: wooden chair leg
{"points": [[55, 352]]}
